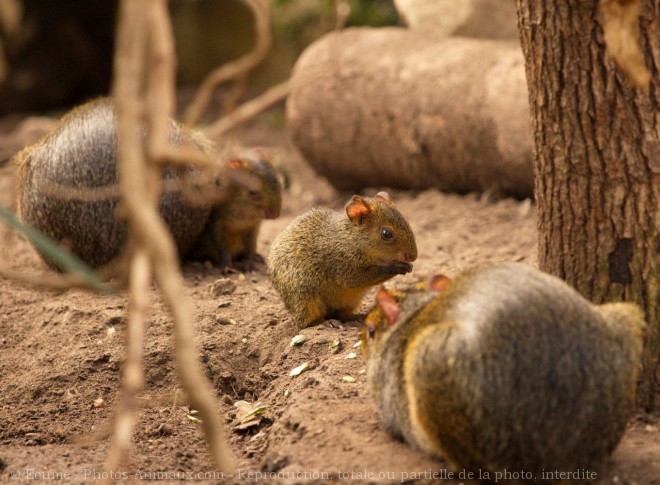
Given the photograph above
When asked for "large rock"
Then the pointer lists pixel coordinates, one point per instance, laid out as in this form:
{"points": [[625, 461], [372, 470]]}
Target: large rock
{"points": [[393, 107]]}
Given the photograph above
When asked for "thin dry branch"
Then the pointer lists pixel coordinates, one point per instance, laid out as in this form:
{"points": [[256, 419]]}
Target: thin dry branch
{"points": [[181, 156], [274, 94], [237, 68], [342, 12], [234, 95], [167, 266], [129, 70], [133, 378], [141, 23], [249, 109], [198, 187], [11, 13], [160, 81], [3, 63], [54, 281]]}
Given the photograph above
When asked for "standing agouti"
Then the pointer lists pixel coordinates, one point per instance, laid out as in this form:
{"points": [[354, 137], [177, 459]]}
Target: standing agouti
{"points": [[324, 261], [233, 227], [81, 153], [506, 369]]}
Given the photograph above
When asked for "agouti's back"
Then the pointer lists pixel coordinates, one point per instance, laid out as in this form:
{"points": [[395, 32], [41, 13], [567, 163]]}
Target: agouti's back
{"points": [[509, 368], [81, 154]]}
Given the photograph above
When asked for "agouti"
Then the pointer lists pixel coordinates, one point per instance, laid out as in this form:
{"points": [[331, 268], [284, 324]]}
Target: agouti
{"points": [[233, 227], [81, 153], [324, 262], [506, 369]]}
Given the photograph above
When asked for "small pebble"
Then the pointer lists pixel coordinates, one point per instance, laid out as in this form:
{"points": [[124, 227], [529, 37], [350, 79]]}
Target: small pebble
{"points": [[222, 286]]}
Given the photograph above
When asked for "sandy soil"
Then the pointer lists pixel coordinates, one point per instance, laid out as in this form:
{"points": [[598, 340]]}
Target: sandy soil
{"points": [[62, 352]]}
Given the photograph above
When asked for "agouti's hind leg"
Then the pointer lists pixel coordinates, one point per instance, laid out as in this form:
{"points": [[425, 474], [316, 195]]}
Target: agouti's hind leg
{"points": [[313, 311], [345, 317], [250, 255]]}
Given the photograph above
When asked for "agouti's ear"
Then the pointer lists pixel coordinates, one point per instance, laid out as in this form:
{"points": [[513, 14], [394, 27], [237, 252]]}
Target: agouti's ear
{"points": [[234, 164], [357, 210], [438, 283], [384, 195], [390, 308]]}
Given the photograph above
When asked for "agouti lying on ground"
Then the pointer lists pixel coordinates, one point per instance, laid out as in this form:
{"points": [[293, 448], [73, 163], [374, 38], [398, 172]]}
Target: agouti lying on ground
{"points": [[506, 368], [81, 153], [324, 261]]}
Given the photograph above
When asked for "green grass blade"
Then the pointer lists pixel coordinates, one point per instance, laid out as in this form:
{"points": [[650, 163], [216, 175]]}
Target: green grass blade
{"points": [[67, 261]]}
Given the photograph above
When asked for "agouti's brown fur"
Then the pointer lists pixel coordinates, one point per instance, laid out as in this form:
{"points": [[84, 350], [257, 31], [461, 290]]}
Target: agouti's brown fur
{"points": [[324, 261], [507, 368], [81, 153], [233, 227]]}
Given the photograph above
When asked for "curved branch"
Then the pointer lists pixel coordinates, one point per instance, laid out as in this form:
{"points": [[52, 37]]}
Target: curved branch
{"points": [[248, 110], [139, 184], [133, 374], [235, 68]]}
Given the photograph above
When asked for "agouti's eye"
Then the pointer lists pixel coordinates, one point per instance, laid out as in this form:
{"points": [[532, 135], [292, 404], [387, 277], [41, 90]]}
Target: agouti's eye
{"points": [[386, 234], [253, 194]]}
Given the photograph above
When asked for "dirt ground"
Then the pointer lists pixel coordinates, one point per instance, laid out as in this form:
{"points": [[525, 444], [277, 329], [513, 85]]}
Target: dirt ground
{"points": [[61, 354]]}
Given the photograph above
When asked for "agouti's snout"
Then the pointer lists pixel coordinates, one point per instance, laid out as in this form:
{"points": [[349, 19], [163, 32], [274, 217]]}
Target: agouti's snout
{"points": [[399, 267], [405, 258], [270, 213]]}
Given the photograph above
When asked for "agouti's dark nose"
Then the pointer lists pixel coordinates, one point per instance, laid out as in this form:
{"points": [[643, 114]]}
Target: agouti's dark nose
{"points": [[410, 257], [270, 213]]}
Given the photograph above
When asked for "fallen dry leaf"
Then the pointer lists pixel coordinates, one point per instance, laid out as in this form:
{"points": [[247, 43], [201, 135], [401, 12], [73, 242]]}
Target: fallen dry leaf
{"points": [[296, 371], [298, 340], [249, 415]]}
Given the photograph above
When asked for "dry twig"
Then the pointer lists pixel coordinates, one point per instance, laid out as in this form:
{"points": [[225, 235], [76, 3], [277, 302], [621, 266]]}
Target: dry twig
{"points": [[133, 378], [234, 95], [11, 12], [236, 68], [54, 281], [248, 110], [141, 24], [342, 12], [274, 94]]}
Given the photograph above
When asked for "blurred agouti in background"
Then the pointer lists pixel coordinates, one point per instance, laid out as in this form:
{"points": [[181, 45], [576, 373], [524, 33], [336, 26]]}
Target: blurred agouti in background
{"points": [[506, 368], [81, 153], [233, 227]]}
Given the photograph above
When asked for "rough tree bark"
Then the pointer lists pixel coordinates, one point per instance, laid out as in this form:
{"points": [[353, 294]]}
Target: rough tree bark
{"points": [[597, 159]]}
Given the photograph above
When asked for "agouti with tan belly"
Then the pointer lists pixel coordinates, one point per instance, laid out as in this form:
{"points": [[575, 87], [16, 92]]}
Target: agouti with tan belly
{"points": [[324, 262], [233, 227], [507, 368], [81, 153]]}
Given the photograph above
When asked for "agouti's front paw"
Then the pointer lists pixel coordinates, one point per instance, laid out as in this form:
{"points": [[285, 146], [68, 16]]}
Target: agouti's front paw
{"points": [[398, 267], [334, 323], [251, 262]]}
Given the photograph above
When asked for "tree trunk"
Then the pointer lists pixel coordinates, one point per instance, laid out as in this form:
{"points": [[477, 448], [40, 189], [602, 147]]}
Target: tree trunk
{"points": [[597, 160]]}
